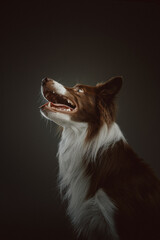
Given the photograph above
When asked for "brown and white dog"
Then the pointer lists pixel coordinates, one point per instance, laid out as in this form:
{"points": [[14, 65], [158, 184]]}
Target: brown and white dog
{"points": [[112, 194]]}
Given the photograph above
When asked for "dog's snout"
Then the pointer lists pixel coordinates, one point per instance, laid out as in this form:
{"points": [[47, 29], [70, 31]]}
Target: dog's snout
{"points": [[44, 80]]}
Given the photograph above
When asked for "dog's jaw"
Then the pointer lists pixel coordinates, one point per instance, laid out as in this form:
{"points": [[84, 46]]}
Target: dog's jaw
{"points": [[59, 118], [59, 106]]}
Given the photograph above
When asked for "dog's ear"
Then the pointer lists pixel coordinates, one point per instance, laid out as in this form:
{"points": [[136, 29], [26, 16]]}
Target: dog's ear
{"points": [[110, 88]]}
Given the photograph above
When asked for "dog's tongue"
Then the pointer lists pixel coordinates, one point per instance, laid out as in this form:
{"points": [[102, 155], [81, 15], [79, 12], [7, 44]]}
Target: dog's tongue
{"points": [[57, 105]]}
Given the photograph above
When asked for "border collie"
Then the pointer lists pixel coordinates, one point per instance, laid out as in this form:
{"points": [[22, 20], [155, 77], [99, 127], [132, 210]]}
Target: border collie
{"points": [[112, 193]]}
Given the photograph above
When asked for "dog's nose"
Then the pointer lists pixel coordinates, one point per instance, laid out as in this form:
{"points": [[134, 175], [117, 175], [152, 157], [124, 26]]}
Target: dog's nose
{"points": [[44, 80]]}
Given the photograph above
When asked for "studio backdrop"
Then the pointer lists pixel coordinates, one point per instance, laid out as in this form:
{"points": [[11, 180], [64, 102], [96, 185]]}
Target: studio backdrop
{"points": [[78, 42]]}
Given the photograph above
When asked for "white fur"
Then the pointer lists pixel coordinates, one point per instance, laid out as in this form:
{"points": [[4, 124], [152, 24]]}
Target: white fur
{"points": [[106, 137], [95, 216], [97, 212], [60, 118], [59, 88]]}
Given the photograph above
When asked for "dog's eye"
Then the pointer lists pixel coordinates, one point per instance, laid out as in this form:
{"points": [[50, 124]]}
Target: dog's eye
{"points": [[80, 90]]}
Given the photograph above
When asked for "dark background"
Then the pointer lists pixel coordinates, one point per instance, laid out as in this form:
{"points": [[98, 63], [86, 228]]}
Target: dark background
{"points": [[69, 42]]}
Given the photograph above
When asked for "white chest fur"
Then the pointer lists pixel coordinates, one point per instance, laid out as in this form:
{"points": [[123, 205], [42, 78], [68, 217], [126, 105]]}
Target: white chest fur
{"points": [[97, 212], [71, 150]]}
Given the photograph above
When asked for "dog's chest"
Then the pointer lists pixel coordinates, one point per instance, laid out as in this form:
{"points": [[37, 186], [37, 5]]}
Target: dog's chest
{"points": [[71, 170]]}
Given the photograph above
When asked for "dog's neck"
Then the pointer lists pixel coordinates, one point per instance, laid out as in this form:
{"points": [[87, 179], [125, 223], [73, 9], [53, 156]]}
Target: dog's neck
{"points": [[73, 145], [73, 148]]}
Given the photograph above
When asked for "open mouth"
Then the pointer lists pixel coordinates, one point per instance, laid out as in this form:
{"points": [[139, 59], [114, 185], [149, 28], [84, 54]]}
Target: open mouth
{"points": [[58, 103]]}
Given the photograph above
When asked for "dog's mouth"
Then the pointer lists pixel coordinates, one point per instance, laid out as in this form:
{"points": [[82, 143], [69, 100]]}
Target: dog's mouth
{"points": [[58, 103]]}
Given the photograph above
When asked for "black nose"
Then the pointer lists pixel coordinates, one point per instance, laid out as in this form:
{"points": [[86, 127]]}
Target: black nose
{"points": [[44, 80]]}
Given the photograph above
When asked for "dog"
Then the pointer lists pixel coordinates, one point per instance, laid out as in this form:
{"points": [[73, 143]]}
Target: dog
{"points": [[112, 194]]}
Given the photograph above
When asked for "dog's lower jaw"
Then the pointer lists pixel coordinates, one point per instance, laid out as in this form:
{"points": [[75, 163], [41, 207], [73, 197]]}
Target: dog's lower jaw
{"points": [[59, 118]]}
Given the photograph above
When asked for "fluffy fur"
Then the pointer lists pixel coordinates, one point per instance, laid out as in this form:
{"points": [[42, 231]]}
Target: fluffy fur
{"points": [[112, 194], [98, 211]]}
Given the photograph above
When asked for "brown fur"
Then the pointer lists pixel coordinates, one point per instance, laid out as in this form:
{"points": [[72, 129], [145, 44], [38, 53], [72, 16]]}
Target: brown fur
{"points": [[96, 105], [132, 186]]}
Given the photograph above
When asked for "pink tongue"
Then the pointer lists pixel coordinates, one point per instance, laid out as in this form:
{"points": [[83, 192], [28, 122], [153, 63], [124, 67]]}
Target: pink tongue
{"points": [[58, 105]]}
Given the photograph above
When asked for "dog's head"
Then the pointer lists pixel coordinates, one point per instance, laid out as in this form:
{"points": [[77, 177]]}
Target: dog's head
{"points": [[81, 103]]}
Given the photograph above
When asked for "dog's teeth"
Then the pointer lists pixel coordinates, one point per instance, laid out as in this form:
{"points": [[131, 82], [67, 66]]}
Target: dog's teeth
{"points": [[69, 101]]}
